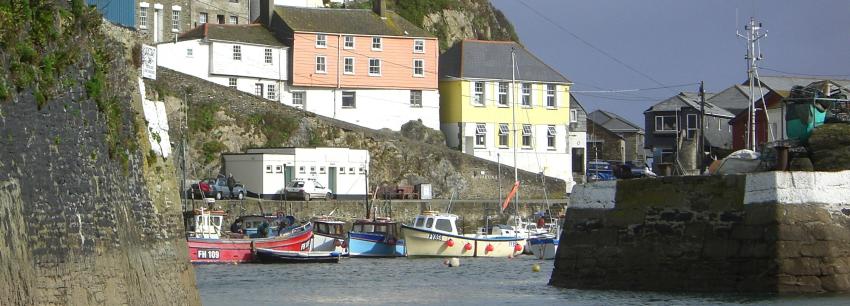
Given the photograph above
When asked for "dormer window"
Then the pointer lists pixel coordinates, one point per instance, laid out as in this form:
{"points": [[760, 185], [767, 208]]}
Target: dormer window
{"points": [[321, 41], [419, 46]]}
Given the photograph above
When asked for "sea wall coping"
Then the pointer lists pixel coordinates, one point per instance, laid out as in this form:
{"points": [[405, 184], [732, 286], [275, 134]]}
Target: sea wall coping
{"points": [[829, 189], [600, 194]]}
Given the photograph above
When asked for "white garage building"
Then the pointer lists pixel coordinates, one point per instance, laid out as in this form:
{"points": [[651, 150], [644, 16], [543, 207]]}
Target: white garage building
{"points": [[266, 171]]}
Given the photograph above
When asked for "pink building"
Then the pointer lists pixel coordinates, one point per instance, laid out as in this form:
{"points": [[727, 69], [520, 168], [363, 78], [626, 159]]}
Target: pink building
{"points": [[368, 67]]}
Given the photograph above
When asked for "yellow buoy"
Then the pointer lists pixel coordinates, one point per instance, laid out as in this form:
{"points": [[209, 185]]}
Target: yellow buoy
{"points": [[535, 268]]}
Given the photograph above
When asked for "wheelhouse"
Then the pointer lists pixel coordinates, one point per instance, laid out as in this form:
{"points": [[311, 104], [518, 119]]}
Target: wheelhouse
{"points": [[332, 228], [438, 222], [380, 226]]}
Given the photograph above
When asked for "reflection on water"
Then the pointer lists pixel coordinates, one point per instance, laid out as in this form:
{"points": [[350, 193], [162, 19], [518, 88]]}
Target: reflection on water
{"points": [[426, 281]]}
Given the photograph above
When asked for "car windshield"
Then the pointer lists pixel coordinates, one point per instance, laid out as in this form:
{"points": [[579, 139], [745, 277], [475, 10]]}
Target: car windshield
{"points": [[296, 184]]}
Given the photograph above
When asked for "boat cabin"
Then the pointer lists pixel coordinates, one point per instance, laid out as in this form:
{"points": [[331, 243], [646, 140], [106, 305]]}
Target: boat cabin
{"points": [[498, 230], [383, 226], [206, 224], [437, 222], [329, 227]]}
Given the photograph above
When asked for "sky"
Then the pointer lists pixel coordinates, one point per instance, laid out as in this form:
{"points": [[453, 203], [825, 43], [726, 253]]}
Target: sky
{"points": [[628, 44]]}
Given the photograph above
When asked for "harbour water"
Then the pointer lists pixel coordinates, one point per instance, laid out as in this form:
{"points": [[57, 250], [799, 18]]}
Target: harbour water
{"points": [[427, 281]]}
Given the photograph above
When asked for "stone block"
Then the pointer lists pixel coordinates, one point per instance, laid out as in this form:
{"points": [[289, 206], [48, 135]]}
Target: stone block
{"points": [[800, 266], [818, 249], [623, 218], [760, 214], [836, 282], [791, 232], [827, 231], [809, 284], [835, 265], [719, 249], [756, 250], [747, 232], [788, 249], [801, 213]]}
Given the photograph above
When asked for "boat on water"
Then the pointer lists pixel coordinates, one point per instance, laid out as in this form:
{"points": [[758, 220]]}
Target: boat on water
{"points": [[277, 256], [436, 234], [375, 238], [543, 247], [209, 244], [328, 235]]}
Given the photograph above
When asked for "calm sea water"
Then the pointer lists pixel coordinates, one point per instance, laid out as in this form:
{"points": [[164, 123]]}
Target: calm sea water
{"points": [[426, 281]]}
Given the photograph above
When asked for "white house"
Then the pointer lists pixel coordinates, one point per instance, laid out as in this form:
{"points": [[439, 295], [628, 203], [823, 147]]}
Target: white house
{"points": [[266, 171], [242, 56]]}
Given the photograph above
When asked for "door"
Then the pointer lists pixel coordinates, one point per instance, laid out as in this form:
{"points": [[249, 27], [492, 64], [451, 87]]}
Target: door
{"points": [[288, 173], [332, 179]]}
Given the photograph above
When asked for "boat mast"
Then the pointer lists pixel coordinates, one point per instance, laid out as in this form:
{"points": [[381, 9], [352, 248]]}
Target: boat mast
{"points": [[753, 34], [513, 118]]}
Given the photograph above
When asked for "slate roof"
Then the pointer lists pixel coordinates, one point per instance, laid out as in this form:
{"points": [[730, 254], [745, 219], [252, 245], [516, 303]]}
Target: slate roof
{"points": [[613, 122], [784, 83], [347, 21], [245, 33], [734, 99], [480, 59], [692, 100], [574, 102]]}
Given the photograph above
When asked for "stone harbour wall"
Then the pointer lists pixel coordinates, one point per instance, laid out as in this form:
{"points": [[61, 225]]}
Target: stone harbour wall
{"points": [[783, 232]]}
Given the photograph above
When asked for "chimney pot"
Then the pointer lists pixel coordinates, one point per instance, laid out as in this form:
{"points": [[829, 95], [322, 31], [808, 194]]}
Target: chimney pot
{"points": [[380, 8]]}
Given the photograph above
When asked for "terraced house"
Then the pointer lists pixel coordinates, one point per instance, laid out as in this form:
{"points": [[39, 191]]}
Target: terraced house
{"points": [[476, 100], [368, 67]]}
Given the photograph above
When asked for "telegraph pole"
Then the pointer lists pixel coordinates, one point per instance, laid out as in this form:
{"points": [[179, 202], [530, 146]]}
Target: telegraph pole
{"points": [[701, 148], [753, 34]]}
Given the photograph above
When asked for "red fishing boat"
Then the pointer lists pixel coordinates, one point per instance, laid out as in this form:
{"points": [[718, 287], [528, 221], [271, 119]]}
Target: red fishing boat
{"points": [[208, 244]]}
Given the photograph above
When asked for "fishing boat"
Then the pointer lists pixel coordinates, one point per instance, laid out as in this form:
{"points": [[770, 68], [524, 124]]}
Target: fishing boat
{"points": [[543, 247], [277, 256], [209, 244], [436, 234], [375, 238], [328, 235]]}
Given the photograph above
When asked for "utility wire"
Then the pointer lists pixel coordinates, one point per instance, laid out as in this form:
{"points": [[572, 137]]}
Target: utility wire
{"points": [[584, 41], [805, 74]]}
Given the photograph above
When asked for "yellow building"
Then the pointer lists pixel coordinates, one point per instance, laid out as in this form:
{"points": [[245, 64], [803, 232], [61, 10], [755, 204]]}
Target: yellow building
{"points": [[486, 114]]}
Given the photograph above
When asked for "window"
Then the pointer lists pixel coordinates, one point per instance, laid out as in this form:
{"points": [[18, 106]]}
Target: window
{"points": [[322, 170], [234, 1], [258, 89], [175, 21], [691, 124], [420, 222], [189, 52], [374, 66], [301, 170], [268, 53], [362, 170], [418, 67], [719, 122], [503, 134], [526, 135], [320, 64], [220, 19], [478, 93], [480, 134], [351, 170], [268, 168], [143, 17], [573, 115], [348, 65], [415, 98], [278, 169], [231, 82], [298, 98], [550, 96], [429, 222], [203, 17], [312, 169], [503, 93], [321, 41], [349, 99], [341, 170], [271, 92], [348, 42], [234, 20], [376, 43], [418, 46], [237, 53], [443, 225], [550, 136], [526, 95], [665, 123]]}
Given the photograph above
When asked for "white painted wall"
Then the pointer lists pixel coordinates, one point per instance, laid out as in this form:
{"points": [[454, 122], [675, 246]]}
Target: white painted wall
{"points": [[830, 189], [375, 108], [304, 3], [251, 65], [601, 194]]}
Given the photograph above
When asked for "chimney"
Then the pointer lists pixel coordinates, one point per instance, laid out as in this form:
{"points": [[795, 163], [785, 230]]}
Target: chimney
{"points": [[380, 8], [266, 12]]}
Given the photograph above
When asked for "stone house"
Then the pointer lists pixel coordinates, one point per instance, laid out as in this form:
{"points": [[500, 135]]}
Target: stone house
{"points": [[674, 124], [220, 12], [246, 57], [367, 67], [603, 144], [578, 139], [632, 134], [478, 101]]}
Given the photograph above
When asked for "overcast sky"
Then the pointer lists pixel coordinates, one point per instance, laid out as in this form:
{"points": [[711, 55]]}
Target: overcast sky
{"points": [[675, 42]]}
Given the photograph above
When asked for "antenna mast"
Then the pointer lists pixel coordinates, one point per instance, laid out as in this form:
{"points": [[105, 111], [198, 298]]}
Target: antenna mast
{"points": [[753, 34]]}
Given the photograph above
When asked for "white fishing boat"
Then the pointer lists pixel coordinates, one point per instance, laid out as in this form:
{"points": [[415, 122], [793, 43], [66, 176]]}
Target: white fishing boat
{"points": [[328, 235], [436, 234]]}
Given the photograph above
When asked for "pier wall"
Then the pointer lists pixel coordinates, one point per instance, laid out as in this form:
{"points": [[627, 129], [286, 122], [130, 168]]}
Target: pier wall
{"points": [[785, 232]]}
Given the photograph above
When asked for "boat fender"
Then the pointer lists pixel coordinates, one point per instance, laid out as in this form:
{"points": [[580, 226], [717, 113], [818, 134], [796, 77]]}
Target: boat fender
{"points": [[450, 243], [517, 248], [467, 246], [489, 248], [345, 244]]}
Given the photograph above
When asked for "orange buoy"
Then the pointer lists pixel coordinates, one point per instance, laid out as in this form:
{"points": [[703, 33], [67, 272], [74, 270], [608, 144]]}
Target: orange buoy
{"points": [[467, 246]]}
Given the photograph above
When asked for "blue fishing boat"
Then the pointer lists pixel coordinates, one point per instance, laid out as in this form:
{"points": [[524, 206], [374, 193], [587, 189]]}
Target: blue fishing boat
{"points": [[375, 238]]}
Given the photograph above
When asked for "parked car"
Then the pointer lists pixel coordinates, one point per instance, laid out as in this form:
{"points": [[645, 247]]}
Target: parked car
{"points": [[599, 170], [307, 189], [216, 188], [640, 169]]}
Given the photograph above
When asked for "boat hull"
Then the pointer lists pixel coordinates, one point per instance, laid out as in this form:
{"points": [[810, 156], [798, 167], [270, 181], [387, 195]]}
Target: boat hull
{"points": [[373, 245], [275, 256], [543, 248], [325, 243], [420, 242], [203, 250]]}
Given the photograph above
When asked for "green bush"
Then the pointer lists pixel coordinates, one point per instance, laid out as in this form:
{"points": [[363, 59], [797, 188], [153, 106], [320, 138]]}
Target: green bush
{"points": [[277, 127], [211, 149], [202, 117]]}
